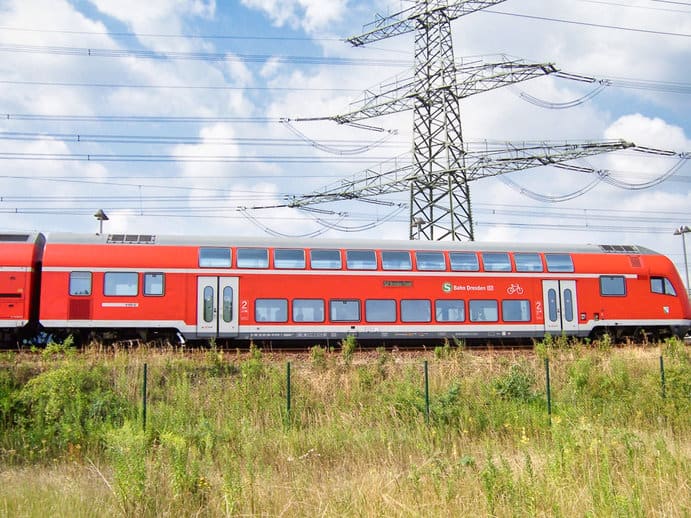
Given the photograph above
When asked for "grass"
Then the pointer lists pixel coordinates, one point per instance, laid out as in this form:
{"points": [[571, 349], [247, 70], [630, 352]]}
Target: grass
{"points": [[219, 440]]}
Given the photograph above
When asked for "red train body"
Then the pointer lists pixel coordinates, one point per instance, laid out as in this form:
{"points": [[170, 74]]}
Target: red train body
{"points": [[254, 289]]}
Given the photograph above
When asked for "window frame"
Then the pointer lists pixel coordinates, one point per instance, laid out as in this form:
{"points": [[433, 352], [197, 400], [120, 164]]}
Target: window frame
{"points": [[437, 309], [459, 268], [86, 274], [257, 265], [525, 303], [284, 302], [431, 253], [294, 310], [555, 262], [148, 293], [473, 302], [611, 278], [399, 265], [490, 265], [361, 264], [215, 261], [348, 301], [390, 305], [534, 265], [428, 309], [326, 250], [277, 260]]}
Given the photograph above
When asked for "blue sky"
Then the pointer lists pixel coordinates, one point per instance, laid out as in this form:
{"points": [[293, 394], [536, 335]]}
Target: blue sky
{"points": [[246, 76]]}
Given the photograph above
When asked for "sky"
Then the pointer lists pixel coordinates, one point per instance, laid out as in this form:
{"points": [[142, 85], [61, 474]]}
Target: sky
{"points": [[169, 115]]}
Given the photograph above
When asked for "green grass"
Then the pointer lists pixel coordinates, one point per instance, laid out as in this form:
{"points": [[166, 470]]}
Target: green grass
{"points": [[219, 440]]}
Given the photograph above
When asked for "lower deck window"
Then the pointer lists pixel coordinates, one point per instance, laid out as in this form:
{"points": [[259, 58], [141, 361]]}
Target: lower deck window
{"points": [[416, 311], [308, 310], [515, 310], [153, 284], [344, 310], [80, 283], [484, 311], [121, 284], [380, 310], [449, 310], [612, 285], [271, 310]]}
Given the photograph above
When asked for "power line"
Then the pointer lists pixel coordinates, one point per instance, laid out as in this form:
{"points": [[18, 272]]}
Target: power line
{"points": [[590, 24], [199, 56]]}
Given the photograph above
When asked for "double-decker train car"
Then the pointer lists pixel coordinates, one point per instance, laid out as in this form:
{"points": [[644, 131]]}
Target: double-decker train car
{"points": [[20, 269], [201, 288], [264, 289]]}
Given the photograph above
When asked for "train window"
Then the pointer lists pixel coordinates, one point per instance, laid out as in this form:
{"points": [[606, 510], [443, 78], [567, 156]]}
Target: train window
{"points": [[484, 311], [449, 310], [380, 310], [528, 262], [416, 311], [325, 259], [496, 262], [662, 285], [289, 258], [228, 304], [552, 305], [394, 260], [464, 261], [214, 257], [153, 284], [271, 310], [559, 263], [568, 305], [430, 261], [208, 304], [253, 258], [121, 284], [308, 310], [344, 310], [80, 283], [612, 285], [515, 310], [361, 260]]}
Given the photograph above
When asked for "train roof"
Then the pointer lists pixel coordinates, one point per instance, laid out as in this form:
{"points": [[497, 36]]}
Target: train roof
{"points": [[20, 237], [382, 244]]}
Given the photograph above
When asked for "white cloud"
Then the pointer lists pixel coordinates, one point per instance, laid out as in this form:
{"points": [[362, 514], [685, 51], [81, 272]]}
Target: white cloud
{"points": [[310, 15]]}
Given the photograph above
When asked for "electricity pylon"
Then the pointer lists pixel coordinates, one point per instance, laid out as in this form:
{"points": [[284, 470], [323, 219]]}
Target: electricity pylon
{"points": [[438, 178]]}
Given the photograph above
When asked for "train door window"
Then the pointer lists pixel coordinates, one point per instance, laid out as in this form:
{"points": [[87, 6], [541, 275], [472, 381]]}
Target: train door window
{"points": [[308, 310], [568, 305], [496, 262], [552, 304], [395, 260], [416, 311], [208, 304], [528, 262], [380, 310], [325, 259], [271, 310], [289, 258], [253, 258], [662, 285], [464, 261], [449, 310], [80, 283], [559, 263], [344, 310], [121, 284], [214, 257], [154, 284], [430, 261], [227, 304], [484, 311], [361, 260], [612, 285], [515, 310]]}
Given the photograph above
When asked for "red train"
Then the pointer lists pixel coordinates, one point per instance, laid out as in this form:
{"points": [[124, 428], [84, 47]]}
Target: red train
{"points": [[200, 288]]}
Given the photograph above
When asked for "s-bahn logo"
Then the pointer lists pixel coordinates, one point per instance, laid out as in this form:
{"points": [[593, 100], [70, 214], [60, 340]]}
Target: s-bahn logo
{"points": [[447, 287]]}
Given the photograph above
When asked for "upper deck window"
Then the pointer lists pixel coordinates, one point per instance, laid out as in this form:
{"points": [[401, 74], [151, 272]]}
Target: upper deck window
{"points": [[430, 261], [361, 260], [214, 257], [559, 263], [253, 258], [464, 262], [528, 262], [289, 258], [325, 259], [496, 262], [393, 260]]}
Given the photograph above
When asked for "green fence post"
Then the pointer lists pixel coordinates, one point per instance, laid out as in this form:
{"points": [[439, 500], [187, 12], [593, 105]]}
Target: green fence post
{"points": [[549, 392], [426, 394], [144, 399], [662, 378], [288, 394]]}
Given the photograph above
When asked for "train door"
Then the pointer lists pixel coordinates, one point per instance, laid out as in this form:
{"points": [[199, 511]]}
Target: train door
{"points": [[561, 310], [217, 307]]}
